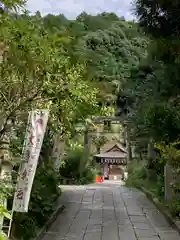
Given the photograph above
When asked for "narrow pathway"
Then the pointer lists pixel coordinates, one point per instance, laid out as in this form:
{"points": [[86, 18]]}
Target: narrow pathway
{"points": [[109, 211]]}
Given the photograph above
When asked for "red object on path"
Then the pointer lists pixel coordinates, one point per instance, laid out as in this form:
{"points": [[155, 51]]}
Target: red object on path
{"points": [[99, 179]]}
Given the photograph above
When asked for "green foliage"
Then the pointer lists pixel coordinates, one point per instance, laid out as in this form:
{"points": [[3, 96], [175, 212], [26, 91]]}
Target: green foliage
{"points": [[160, 186], [51, 62], [154, 88], [99, 142], [55, 23], [5, 188], [139, 176], [171, 156], [37, 72], [106, 44], [3, 236], [5, 191], [70, 168], [44, 194], [88, 175], [137, 172], [45, 189], [12, 4], [33, 56], [154, 84], [160, 18], [3, 213], [174, 207], [110, 53]]}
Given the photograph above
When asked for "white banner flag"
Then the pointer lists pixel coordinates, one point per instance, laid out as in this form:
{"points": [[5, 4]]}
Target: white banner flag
{"points": [[36, 127]]}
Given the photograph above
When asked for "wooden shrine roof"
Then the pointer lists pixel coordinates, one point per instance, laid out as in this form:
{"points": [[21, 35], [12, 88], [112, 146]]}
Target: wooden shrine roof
{"points": [[113, 155], [108, 147], [112, 152]]}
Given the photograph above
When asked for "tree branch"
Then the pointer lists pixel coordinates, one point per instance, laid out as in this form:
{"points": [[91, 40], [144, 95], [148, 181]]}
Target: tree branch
{"points": [[11, 114]]}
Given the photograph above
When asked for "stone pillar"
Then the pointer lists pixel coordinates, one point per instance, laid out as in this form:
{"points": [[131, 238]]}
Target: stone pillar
{"points": [[106, 170], [5, 172], [86, 140], [128, 145], [150, 152], [168, 178], [86, 151], [133, 151], [58, 150], [122, 135]]}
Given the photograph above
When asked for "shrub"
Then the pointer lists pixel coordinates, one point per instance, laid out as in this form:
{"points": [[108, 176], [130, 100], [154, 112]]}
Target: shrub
{"points": [[71, 166], [44, 194], [171, 155], [160, 185], [3, 236], [140, 176], [88, 175], [3, 212], [174, 207], [136, 173]]}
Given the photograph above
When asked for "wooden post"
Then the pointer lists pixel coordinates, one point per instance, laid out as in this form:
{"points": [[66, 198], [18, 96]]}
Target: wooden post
{"points": [[128, 144], [150, 152], [86, 149], [133, 148], [168, 178]]}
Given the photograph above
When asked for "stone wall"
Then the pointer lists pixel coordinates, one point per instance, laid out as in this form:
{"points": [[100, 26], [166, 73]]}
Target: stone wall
{"points": [[169, 178]]}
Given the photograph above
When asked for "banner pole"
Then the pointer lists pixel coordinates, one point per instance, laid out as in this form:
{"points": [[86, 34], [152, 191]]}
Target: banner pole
{"points": [[12, 212], [38, 123], [10, 224]]}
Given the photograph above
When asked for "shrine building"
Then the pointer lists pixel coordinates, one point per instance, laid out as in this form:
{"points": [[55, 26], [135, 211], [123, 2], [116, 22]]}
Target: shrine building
{"points": [[112, 158]]}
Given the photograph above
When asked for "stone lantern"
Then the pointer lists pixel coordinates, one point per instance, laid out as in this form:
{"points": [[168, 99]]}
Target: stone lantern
{"points": [[5, 171]]}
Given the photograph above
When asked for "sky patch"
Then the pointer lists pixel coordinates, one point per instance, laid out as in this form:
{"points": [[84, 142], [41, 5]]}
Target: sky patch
{"points": [[72, 8]]}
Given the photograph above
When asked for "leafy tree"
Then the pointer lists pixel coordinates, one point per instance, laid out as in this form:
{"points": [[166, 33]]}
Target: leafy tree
{"points": [[109, 55], [154, 84], [106, 45], [11, 5], [160, 18], [40, 74], [36, 72], [99, 142], [55, 23]]}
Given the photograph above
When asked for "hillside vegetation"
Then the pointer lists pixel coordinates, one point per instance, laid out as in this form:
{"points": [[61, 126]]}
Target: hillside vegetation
{"points": [[90, 66]]}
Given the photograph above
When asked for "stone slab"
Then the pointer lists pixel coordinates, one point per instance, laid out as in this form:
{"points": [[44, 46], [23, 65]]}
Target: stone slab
{"points": [[109, 211]]}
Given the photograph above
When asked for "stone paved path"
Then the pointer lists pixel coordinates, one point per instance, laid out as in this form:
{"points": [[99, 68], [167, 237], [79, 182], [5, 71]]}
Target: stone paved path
{"points": [[108, 211]]}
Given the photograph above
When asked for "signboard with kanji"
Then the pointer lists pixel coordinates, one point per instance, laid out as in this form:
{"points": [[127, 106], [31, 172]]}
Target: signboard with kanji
{"points": [[36, 127]]}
